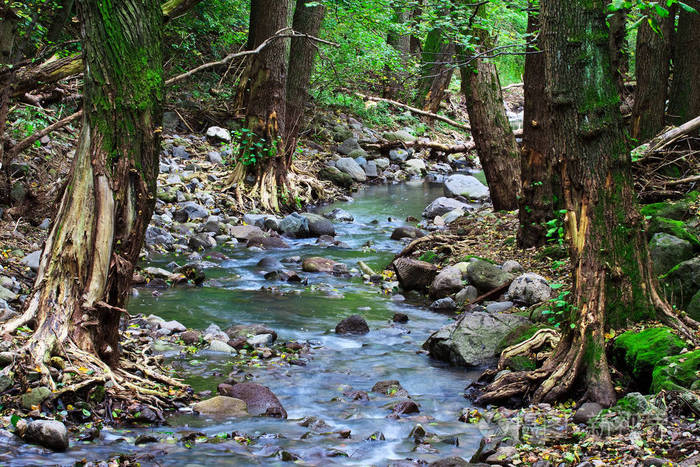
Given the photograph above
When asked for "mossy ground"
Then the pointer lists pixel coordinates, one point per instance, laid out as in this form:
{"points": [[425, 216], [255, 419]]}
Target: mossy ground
{"points": [[677, 372]]}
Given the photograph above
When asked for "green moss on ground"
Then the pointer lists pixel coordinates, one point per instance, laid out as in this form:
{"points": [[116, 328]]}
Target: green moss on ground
{"points": [[677, 211], [636, 353], [672, 227], [677, 372]]}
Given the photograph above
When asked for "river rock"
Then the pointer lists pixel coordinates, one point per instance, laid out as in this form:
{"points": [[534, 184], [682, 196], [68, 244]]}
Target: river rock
{"points": [[222, 406], [336, 176], [269, 263], [466, 295], [400, 135], [512, 266], [201, 241], [32, 260], [295, 225], [371, 169], [190, 210], [245, 232], [400, 318], [405, 407], [352, 168], [250, 330], [180, 152], [442, 206], [466, 186], [259, 399], [35, 397], [382, 163], [155, 236], [447, 282], [415, 166], [340, 215], [7, 295], [398, 155], [267, 242], [389, 387], [498, 307], [407, 231], [348, 146], [220, 346], [666, 251], [319, 225], [528, 289], [319, 264], [354, 324], [486, 276], [587, 411], [443, 305], [215, 158], [414, 274], [453, 462], [218, 134], [48, 433], [472, 340]]}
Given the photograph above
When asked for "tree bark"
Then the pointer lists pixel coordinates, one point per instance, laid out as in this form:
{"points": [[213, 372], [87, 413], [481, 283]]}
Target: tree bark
{"points": [[495, 142], [684, 99], [617, 48], [88, 260], [58, 23], [653, 57], [302, 54], [437, 67], [536, 205], [613, 282]]}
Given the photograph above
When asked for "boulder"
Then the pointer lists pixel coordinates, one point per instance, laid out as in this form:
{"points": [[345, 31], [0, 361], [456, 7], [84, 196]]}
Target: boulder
{"points": [[201, 241], [295, 225], [371, 169], [336, 176], [220, 346], [405, 407], [389, 387], [666, 251], [486, 276], [155, 236], [693, 308], [48, 433], [319, 264], [677, 373], [473, 339], [259, 399], [319, 225], [415, 166], [587, 411], [218, 134], [528, 289], [414, 274], [407, 231], [466, 186], [447, 282], [352, 168], [222, 406], [348, 146], [400, 135], [442, 206], [682, 282], [354, 324]]}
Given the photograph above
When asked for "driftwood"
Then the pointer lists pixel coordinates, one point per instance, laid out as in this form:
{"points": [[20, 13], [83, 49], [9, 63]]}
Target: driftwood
{"points": [[674, 134]]}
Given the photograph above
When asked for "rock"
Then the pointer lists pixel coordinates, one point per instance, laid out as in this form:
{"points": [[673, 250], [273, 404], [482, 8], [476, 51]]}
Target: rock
{"points": [[529, 289], [295, 225], [486, 276], [173, 327], [267, 243], [398, 155], [341, 133], [371, 169], [442, 206], [7, 295], [666, 251], [407, 231], [215, 158], [682, 282], [466, 295], [336, 176], [222, 406], [259, 399], [405, 407], [245, 232], [35, 397], [212, 225], [32, 260], [191, 337], [319, 264], [678, 373], [400, 135], [319, 225], [587, 411], [340, 215], [672, 227], [354, 324], [218, 134], [693, 308], [48, 433], [260, 340], [250, 330], [415, 166], [383, 163], [201, 241], [453, 215], [352, 168], [512, 266], [447, 282], [502, 456], [155, 236], [180, 152], [443, 305], [472, 340], [45, 224], [414, 274], [220, 346], [189, 210], [269, 263], [348, 146], [451, 462], [400, 318], [466, 186], [389, 387], [498, 307], [214, 332]]}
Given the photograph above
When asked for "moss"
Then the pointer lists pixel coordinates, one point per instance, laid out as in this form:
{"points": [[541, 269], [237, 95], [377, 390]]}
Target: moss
{"points": [[637, 353], [522, 363], [519, 334], [677, 372], [468, 257], [677, 211], [672, 227]]}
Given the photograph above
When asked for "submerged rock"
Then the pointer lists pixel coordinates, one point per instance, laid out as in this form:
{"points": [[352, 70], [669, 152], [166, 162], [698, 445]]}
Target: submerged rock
{"points": [[473, 339], [354, 324], [407, 231], [259, 399], [319, 264]]}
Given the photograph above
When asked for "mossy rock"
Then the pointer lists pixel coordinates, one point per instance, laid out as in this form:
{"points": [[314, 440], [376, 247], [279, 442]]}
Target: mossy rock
{"points": [[630, 410], [637, 353], [672, 227], [693, 308], [682, 282], [677, 372], [333, 174], [678, 211]]}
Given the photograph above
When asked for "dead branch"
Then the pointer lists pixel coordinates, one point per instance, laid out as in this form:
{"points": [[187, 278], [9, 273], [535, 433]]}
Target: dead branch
{"points": [[25, 143], [669, 136], [694, 178]]}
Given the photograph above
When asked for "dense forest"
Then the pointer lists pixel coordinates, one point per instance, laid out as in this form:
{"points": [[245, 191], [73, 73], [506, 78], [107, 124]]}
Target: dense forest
{"points": [[367, 232]]}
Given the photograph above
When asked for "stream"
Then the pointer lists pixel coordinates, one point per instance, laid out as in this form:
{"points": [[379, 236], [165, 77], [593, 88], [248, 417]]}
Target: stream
{"points": [[308, 313]]}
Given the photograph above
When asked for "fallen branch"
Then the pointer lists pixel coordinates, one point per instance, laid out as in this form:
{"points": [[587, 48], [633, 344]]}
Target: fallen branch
{"points": [[667, 137], [415, 110], [694, 178], [491, 293], [25, 143], [514, 85]]}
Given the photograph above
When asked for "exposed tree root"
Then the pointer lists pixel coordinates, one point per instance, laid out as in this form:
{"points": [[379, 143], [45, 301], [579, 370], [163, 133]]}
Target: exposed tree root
{"points": [[531, 347]]}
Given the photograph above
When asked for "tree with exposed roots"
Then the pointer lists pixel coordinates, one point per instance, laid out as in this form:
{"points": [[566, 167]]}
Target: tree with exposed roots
{"points": [[613, 283], [88, 260]]}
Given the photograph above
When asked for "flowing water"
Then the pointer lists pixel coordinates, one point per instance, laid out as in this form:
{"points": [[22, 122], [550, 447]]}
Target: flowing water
{"points": [[232, 295]]}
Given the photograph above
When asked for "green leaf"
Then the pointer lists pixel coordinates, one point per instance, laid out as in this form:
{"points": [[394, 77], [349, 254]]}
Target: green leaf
{"points": [[14, 419]]}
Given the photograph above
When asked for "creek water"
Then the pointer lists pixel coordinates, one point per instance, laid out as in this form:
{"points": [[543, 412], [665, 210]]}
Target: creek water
{"points": [[308, 313]]}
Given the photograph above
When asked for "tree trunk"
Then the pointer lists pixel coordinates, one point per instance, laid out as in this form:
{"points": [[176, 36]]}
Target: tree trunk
{"points": [[613, 282], [264, 93], [437, 67], [402, 44], [617, 48], [301, 64], [495, 142], [58, 23], [653, 58], [537, 162], [684, 102], [86, 268]]}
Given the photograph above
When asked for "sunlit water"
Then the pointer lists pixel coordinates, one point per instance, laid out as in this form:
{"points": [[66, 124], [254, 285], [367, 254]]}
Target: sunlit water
{"points": [[233, 295]]}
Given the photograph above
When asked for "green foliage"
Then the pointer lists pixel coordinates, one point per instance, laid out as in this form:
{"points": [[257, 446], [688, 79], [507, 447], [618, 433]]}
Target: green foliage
{"points": [[429, 256], [379, 115], [559, 310], [251, 148], [555, 228]]}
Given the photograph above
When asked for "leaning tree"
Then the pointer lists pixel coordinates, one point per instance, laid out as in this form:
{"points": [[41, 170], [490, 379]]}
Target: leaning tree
{"points": [[613, 283], [88, 260]]}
